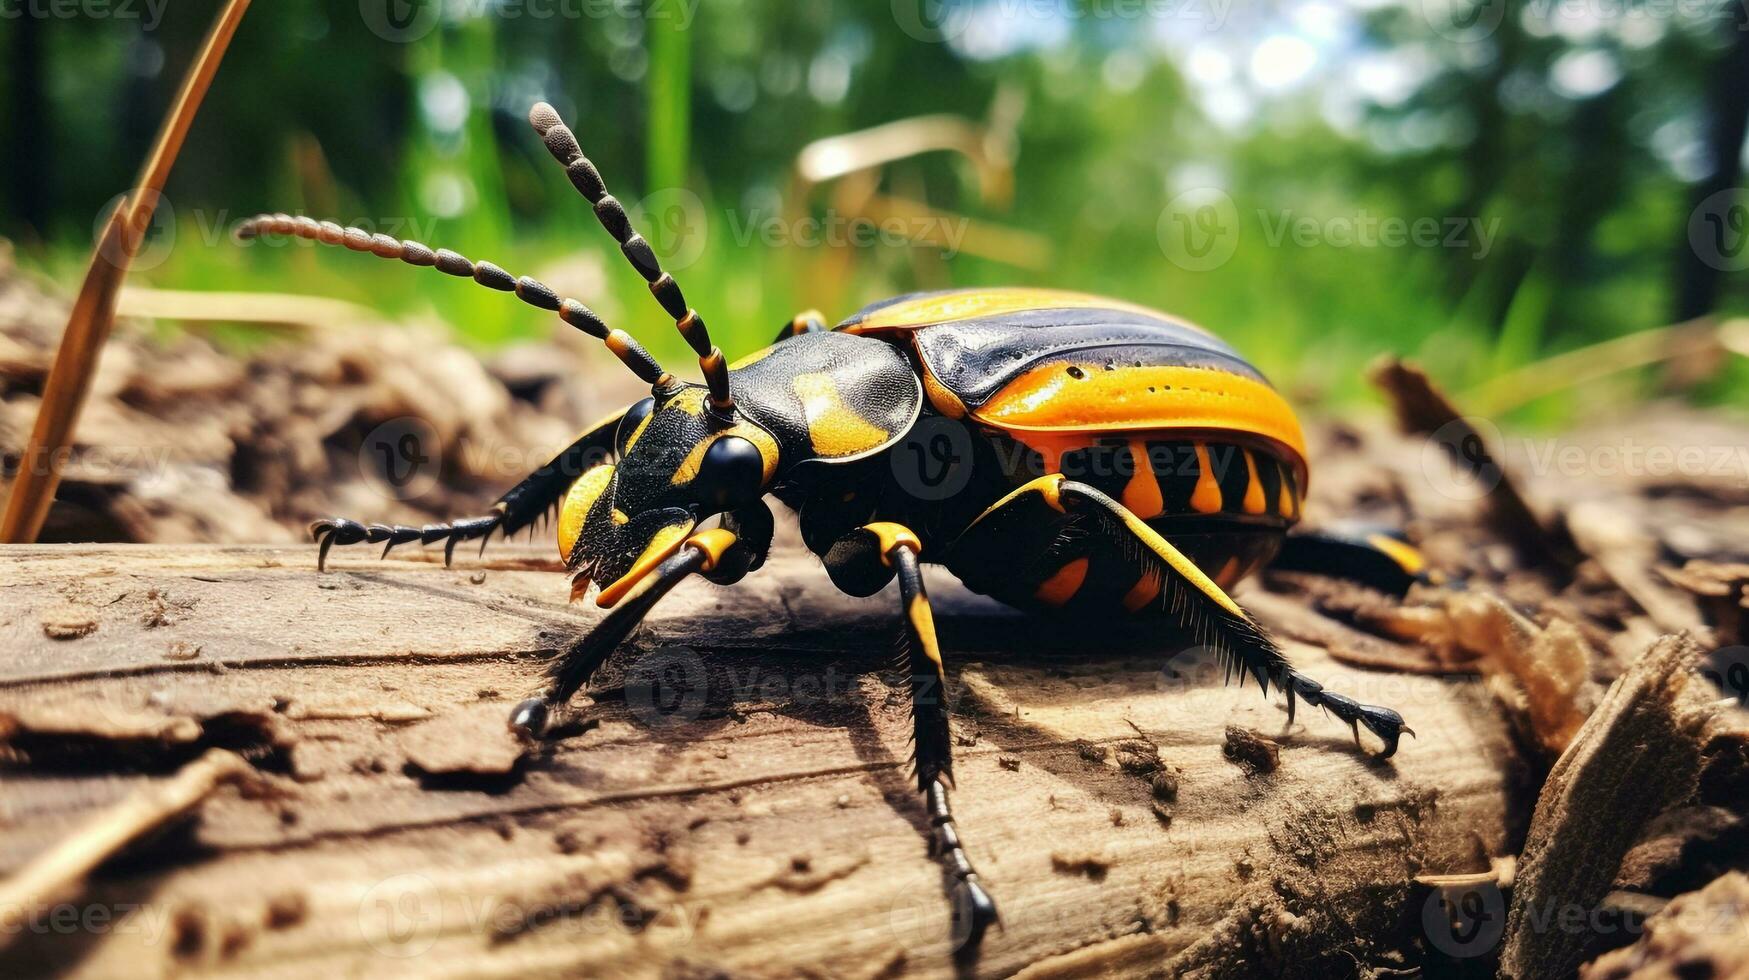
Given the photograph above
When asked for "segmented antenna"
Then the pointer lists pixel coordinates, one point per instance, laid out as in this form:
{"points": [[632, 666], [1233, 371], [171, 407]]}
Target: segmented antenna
{"points": [[562, 144], [530, 291]]}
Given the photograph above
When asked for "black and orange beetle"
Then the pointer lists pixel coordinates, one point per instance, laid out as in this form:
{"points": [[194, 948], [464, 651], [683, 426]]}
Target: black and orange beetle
{"points": [[1115, 460]]}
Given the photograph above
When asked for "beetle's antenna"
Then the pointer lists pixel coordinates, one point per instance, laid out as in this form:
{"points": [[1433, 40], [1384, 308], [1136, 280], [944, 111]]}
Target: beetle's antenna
{"points": [[562, 144], [530, 291]]}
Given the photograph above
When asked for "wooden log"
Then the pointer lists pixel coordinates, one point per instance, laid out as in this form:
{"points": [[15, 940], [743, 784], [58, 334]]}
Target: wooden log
{"points": [[765, 825]]}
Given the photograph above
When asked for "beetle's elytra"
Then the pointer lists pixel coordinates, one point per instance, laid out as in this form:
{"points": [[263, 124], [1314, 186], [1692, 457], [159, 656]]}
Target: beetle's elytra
{"points": [[1114, 460]]}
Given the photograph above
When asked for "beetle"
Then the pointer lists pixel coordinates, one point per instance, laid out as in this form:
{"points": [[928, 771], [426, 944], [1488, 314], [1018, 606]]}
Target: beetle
{"points": [[1110, 459]]}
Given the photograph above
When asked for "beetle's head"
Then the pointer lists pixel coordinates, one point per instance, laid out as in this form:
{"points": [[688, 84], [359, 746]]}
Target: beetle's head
{"points": [[676, 466], [813, 399]]}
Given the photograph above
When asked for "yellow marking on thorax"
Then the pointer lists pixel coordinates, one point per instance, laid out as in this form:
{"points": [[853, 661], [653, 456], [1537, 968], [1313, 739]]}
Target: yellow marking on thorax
{"points": [[578, 500], [1142, 494], [1206, 499], [1254, 503], [833, 427], [1062, 586], [753, 358], [1152, 397], [927, 310], [638, 432]]}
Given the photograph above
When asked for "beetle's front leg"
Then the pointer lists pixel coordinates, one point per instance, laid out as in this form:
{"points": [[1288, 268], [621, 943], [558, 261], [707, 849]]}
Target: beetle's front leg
{"points": [[878, 552], [704, 553]]}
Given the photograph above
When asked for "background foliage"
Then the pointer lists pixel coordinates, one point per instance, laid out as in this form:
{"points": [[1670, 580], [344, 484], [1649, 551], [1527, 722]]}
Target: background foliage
{"points": [[1580, 135]]}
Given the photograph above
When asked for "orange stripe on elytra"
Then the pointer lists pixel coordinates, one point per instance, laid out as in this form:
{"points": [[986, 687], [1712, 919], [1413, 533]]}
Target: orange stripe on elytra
{"points": [[1142, 494], [1207, 497], [1254, 503], [1284, 500], [1143, 593], [1062, 586]]}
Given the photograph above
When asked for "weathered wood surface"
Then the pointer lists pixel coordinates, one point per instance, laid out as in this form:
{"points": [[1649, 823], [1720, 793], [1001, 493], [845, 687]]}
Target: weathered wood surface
{"points": [[768, 829]]}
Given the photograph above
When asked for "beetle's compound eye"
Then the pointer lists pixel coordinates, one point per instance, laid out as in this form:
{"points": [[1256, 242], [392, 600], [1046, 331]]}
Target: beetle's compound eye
{"points": [[631, 425], [731, 475]]}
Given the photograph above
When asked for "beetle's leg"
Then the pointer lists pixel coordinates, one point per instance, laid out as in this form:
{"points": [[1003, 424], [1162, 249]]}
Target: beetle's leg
{"points": [[807, 321], [517, 510], [703, 552], [867, 559], [1375, 560], [1168, 581]]}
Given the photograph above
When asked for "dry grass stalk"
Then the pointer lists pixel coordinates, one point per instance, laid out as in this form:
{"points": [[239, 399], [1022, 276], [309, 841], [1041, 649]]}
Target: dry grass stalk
{"points": [[93, 315]]}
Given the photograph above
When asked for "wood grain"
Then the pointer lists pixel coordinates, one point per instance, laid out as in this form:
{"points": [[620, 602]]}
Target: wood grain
{"points": [[768, 827]]}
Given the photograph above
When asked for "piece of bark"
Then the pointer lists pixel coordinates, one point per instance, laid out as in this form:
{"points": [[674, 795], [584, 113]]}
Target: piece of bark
{"points": [[1422, 409], [1541, 674], [1700, 934], [472, 741], [48, 881], [1722, 589], [1629, 555], [1638, 754]]}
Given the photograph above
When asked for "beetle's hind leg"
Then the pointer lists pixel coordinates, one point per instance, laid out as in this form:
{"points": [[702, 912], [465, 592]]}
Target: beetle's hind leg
{"points": [[1165, 582], [1373, 559]]}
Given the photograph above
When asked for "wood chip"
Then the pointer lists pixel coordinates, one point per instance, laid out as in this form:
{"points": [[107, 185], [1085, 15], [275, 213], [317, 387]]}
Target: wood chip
{"points": [[471, 741]]}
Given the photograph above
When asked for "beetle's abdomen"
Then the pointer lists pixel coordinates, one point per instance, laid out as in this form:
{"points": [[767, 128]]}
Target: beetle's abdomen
{"points": [[1165, 478]]}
